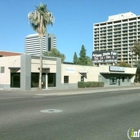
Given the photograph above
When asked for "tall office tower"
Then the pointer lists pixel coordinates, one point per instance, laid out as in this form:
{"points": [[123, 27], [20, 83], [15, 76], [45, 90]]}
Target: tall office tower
{"points": [[32, 43], [51, 41], [118, 33]]}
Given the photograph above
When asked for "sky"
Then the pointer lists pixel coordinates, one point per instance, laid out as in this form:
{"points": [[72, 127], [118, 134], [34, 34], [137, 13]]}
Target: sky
{"points": [[73, 26]]}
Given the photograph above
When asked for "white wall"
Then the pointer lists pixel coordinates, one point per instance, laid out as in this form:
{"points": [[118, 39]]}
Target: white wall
{"points": [[46, 64], [11, 61], [73, 71], [92, 72]]}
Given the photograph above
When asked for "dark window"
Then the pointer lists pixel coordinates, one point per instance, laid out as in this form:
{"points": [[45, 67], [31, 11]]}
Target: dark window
{"points": [[2, 69], [113, 80], [66, 79], [123, 79], [49, 44], [51, 79], [117, 21], [34, 80], [82, 78], [15, 80]]}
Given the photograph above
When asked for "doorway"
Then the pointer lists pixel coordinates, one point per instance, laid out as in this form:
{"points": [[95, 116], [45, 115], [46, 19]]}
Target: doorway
{"points": [[51, 79], [15, 80], [35, 80]]}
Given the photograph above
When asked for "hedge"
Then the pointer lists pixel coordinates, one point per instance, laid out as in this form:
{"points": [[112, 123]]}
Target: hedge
{"points": [[90, 84]]}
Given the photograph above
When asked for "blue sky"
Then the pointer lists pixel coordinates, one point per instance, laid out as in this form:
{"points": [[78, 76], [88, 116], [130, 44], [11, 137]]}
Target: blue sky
{"points": [[73, 25]]}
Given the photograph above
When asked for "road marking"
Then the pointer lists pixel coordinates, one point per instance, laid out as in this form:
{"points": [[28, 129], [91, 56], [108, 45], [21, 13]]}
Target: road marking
{"points": [[37, 97], [117, 91], [51, 111]]}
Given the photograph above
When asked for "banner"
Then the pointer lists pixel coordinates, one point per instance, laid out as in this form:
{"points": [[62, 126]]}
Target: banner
{"points": [[104, 57]]}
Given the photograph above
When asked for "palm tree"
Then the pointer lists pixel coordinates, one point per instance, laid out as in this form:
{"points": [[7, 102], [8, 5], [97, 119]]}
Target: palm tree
{"points": [[39, 19]]}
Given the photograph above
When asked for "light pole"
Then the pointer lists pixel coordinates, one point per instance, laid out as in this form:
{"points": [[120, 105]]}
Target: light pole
{"points": [[131, 54]]}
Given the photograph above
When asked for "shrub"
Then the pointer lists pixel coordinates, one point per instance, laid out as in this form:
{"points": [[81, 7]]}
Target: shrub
{"points": [[90, 84], [81, 84]]}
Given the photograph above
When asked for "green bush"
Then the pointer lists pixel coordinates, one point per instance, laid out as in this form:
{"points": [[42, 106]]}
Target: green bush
{"points": [[81, 84], [90, 84]]}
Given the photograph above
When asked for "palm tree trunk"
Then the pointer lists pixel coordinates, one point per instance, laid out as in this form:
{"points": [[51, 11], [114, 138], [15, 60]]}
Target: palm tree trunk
{"points": [[40, 72]]}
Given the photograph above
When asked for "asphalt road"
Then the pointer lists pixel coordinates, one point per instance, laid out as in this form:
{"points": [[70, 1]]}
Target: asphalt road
{"points": [[98, 116]]}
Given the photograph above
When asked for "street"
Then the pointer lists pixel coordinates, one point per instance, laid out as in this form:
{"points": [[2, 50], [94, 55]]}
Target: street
{"points": [[98, 116]]}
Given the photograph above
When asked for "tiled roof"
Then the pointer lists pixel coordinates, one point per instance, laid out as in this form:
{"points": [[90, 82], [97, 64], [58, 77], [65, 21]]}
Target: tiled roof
{"points": [[4, 53]]}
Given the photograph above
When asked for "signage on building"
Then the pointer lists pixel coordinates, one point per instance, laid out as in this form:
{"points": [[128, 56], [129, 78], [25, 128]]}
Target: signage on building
{"points": [[104, 57], [70, 70], [114, 68]]}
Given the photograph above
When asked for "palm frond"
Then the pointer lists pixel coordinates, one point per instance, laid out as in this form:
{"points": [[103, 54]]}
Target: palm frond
{"points": [[40, 18], [34, 27]]}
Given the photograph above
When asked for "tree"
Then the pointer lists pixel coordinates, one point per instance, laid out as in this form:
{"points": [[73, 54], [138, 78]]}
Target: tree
{"points": [[75, 58], [136, 48], [137, 77], [89, 61], [39, 19], [83, 58], [123, 64], [55, 53]]}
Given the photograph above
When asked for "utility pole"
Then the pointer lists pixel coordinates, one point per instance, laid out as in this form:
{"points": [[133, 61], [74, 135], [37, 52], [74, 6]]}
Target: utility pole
{"points": [[131, 54]]}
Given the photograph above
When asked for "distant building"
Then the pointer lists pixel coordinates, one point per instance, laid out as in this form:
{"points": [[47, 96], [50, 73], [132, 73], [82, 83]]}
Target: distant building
{"points": [[118, 33], [32, 43]]}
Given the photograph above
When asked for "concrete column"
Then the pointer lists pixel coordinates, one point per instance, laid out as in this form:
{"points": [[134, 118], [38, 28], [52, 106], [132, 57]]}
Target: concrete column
{"points": [[25, 74], [58, 73], [46, 80], [132, 80]]}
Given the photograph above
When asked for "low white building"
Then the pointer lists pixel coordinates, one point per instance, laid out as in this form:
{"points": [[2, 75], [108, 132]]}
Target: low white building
{"points": [[22, 72]]}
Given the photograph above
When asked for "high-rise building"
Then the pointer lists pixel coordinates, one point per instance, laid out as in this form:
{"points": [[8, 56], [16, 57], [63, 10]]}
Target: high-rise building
{"points": [[32, 43], [118, 33]]}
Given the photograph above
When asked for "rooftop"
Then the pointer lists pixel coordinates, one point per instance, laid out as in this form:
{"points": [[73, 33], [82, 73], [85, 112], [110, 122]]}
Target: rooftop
{"points": [[121, 16], [6, 53]]}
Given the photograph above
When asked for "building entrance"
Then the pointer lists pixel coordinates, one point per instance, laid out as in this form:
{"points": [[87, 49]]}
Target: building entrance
{"points": [[51, 79], [35, 80], [15, 80]]}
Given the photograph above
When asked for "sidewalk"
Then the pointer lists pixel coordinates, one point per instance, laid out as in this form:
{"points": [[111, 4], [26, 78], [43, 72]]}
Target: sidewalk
{"points": [[60, 92], [48, 92]]}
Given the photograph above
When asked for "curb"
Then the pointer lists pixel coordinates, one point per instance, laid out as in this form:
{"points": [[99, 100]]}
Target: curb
{"points": [[84, 92]]}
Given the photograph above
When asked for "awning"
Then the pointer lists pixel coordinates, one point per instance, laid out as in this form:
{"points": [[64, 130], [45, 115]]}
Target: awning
{"points": [[82, 71], [14, 69], [121, 73]]}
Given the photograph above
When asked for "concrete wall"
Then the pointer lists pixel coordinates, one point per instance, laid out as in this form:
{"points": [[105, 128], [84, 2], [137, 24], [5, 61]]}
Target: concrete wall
{"points": [[30, 64], [35, 64], [106, 74], [75, 72], [25, 74], [65, 86], [58, 72], [11, 61], [106, 79]]}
